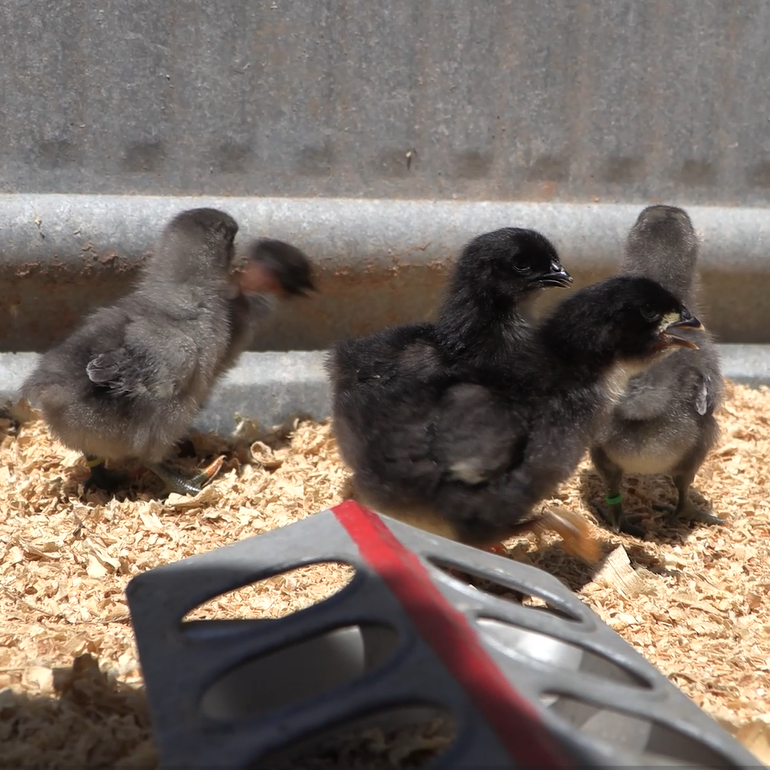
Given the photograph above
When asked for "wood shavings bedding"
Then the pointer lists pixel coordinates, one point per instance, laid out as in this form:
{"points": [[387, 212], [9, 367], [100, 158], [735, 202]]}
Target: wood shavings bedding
{"points": [[697, 611]]}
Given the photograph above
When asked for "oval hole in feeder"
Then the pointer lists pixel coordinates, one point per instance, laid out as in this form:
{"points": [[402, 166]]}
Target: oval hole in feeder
{"points": [[654, 743], [296, 672], [550, 651], [268, 599]]}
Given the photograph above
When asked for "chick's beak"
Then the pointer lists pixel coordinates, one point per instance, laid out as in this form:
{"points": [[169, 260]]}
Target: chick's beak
{"points": [[557, 276], [674, 322]]}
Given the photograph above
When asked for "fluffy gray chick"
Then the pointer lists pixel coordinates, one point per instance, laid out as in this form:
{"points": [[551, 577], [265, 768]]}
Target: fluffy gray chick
{"points": [[664, 422], [129, 380]]}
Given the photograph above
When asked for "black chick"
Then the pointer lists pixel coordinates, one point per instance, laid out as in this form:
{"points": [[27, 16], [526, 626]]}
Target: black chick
{"points": [[664, 422], [497, 275], [482, 318], [129, 380], [468, 454], [493, 286], [274, 270]]}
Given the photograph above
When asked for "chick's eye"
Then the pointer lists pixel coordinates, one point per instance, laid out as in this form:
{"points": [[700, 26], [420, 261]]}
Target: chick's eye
{"points": [[650, 315]]}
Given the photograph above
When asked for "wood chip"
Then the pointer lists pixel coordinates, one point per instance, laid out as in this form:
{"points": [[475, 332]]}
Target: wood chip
{"points": [[617, 572], [263, 455], [574, 530], [67, 554], [208, 495], [39, 677]]}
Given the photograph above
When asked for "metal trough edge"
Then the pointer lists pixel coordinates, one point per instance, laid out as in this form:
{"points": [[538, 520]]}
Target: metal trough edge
{"points": [[379, 261], [274, 387]]}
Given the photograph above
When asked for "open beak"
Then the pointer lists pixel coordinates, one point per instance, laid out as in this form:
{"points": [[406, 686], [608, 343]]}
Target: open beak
{"points": [[557, 277], [672, 325]]}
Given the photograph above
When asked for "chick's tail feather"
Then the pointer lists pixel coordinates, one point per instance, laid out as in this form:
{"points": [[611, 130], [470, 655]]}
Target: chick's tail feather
{"points": [[571, 527]]}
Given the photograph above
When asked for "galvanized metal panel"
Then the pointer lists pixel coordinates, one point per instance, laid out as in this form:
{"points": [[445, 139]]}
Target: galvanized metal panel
{"points": [[379, 261], [400, 119], [273, 388], [562, 100]]}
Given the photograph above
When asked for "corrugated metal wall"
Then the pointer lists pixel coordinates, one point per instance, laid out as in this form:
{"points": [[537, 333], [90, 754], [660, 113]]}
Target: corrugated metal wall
{"points": [[536, 101]]}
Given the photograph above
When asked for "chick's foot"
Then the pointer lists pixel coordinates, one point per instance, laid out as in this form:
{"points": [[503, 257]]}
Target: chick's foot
{"points": [[615, 517], [175, 482], [688, 512]]}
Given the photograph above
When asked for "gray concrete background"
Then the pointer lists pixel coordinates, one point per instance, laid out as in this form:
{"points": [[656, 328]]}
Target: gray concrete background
{"points": [[379, 137], [529, 100], [271, 388]]}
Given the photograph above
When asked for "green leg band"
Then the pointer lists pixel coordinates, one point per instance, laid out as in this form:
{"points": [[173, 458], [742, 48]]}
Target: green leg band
{"points": [[613, 500]]}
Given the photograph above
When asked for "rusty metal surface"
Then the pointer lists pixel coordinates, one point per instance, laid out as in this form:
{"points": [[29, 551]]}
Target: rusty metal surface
{"points": [[379, 261], [564, 100]]}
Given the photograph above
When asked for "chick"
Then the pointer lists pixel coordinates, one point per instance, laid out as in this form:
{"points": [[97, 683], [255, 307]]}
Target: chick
{"points": [[274, 270], [482, 317], [497, 275], [129, 380], [467, 453], [496, 280], [664, 422]]}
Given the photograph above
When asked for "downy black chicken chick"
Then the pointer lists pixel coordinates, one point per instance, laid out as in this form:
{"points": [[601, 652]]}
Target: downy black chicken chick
{"points": [[129, 380], [482, 320], [468, 452], [664, 422], [497, 275], [482, 317]]}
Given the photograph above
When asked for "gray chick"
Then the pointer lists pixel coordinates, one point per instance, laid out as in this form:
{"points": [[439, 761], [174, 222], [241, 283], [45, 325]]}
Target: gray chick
{"points": [[664, 422], [129, 380]]}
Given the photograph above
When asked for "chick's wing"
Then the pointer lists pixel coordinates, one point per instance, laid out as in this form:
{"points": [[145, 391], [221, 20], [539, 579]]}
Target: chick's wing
{"points": [[477, 434], [152, 360]]}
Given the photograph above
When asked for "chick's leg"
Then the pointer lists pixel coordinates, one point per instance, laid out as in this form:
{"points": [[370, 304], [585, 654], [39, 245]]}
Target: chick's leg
{"points": [[175, 482], [612, 512], [101, 477], [685, 509]]}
